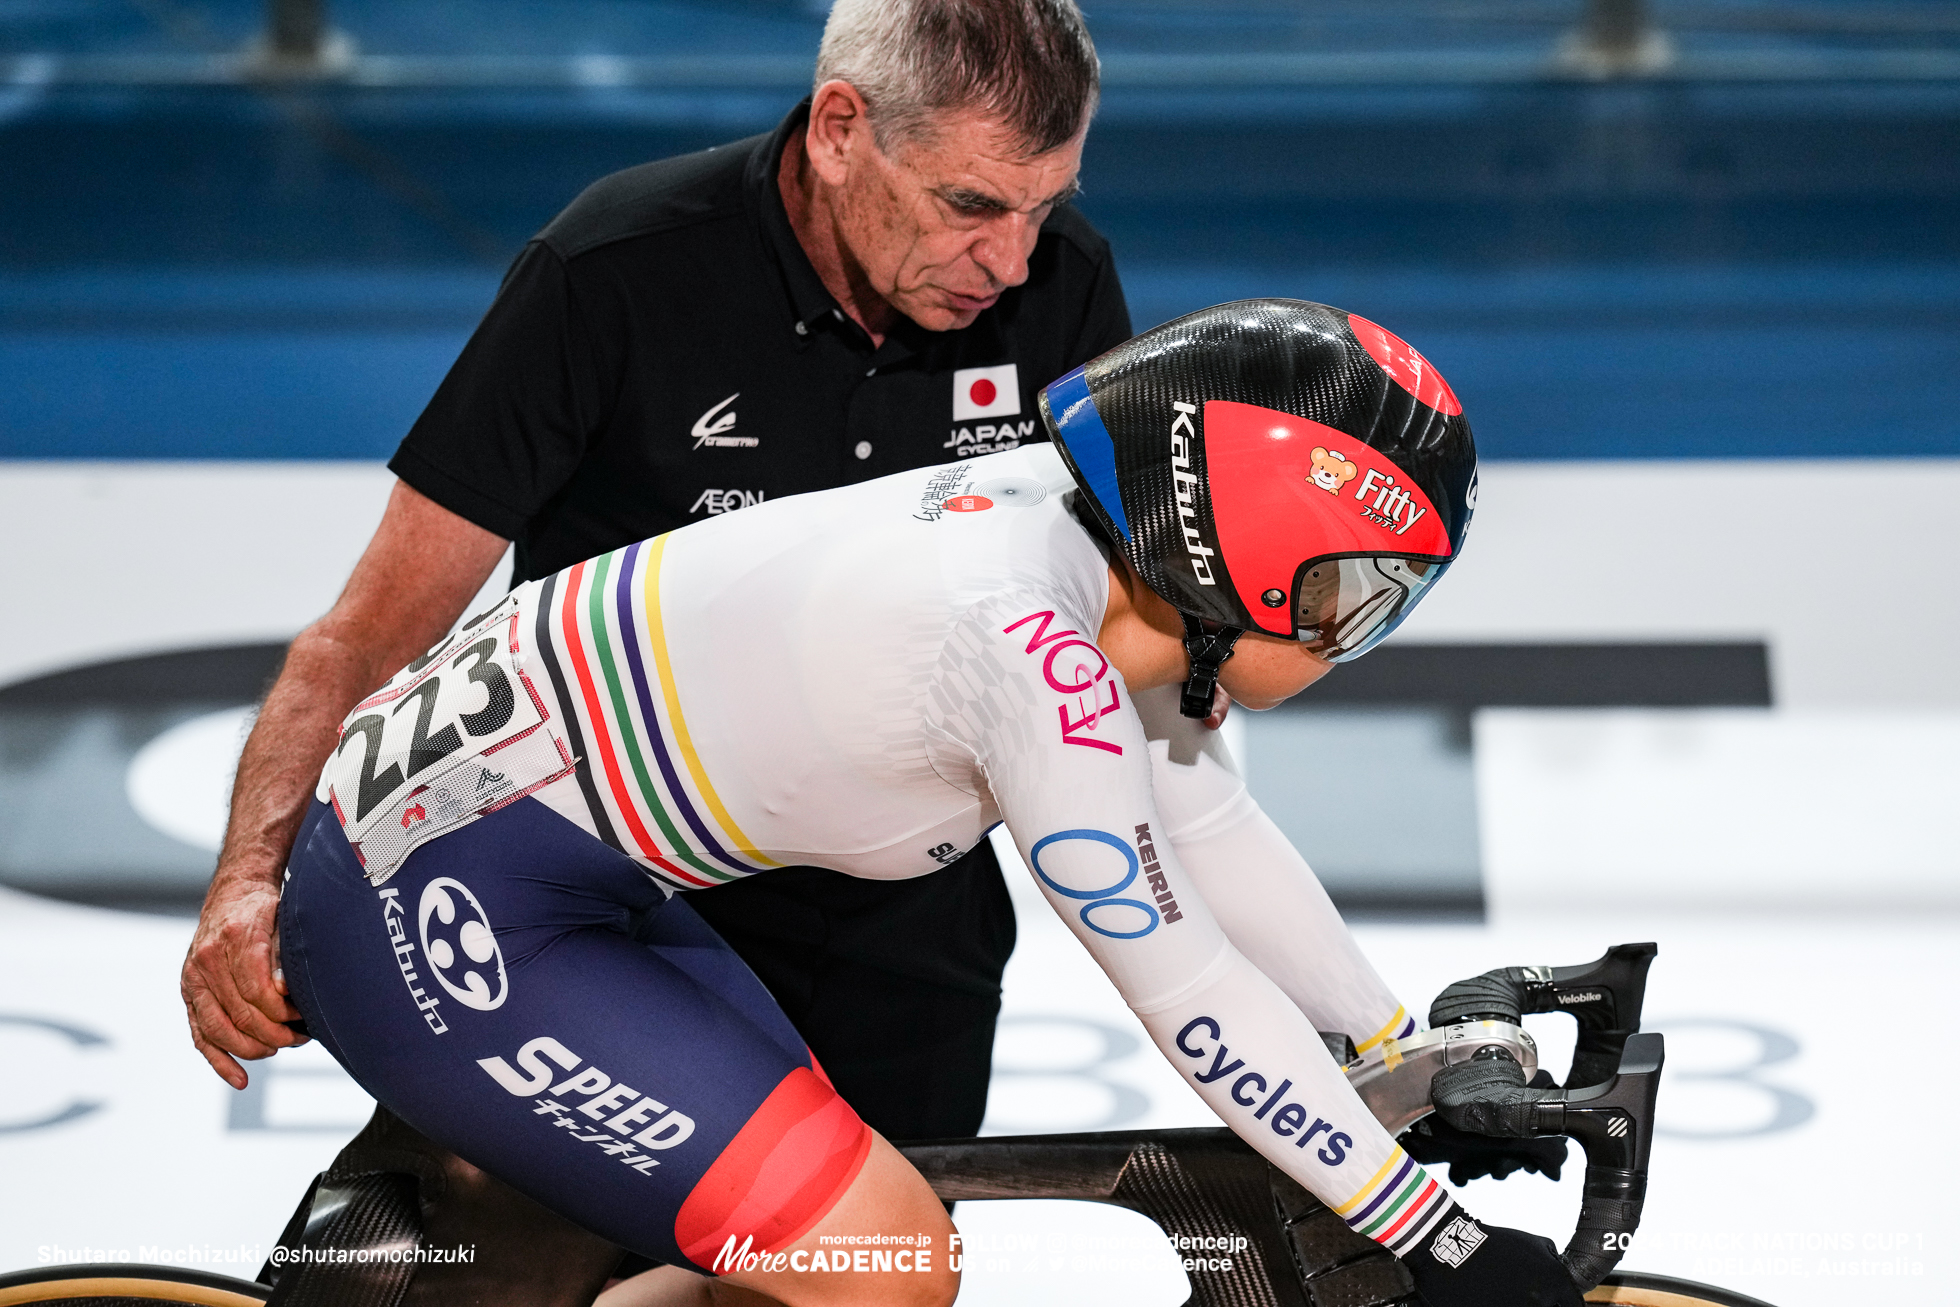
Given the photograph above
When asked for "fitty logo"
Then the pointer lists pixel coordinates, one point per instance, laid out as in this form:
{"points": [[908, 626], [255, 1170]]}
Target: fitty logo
{"points": [[1393, 507], [462, 936], [1186, 482]]}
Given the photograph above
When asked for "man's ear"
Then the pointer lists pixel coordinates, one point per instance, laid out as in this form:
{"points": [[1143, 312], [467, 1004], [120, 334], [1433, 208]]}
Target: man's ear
{"points": [[840, 125]]}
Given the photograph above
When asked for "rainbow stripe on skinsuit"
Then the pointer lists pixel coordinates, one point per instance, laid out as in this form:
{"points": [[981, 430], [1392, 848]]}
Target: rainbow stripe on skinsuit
{"points": [[1399, 1026], [605, 647], [1398, 1205]]}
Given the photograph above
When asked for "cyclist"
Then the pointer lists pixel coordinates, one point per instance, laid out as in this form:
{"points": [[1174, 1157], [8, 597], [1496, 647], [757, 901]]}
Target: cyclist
{"points": [[481, 918]]}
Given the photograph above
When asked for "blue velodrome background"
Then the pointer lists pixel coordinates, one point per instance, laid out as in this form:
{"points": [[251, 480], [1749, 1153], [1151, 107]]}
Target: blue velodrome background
{"points": [[1755, 254]]}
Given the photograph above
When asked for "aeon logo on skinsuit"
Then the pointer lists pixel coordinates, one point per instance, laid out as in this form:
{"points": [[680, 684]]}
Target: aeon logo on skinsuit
{"points": [[461, 948], [1080, 675]]}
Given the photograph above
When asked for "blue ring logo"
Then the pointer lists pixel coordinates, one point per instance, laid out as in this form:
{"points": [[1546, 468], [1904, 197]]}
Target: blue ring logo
{"points": [[1148, 910], [1101, 898]]}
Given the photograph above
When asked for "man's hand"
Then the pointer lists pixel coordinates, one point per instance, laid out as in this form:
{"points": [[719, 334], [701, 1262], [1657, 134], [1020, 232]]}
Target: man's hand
{"points": [[231, 984], [410, 586]]}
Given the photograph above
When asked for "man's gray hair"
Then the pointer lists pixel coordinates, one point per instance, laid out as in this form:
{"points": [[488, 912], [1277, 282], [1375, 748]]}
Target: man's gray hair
{"points": [[1028, 64]]}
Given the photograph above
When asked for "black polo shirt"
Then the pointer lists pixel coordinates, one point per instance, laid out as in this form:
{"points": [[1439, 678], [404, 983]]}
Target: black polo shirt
{"points": [[663, 351]]}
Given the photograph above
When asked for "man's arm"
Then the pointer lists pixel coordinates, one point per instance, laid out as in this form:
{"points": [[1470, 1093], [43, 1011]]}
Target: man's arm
{"points": [[423, 564]]}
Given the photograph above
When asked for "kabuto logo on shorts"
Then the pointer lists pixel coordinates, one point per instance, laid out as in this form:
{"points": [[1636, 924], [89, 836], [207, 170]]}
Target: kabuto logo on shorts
{"points": [[460, 946], [394, 917]]}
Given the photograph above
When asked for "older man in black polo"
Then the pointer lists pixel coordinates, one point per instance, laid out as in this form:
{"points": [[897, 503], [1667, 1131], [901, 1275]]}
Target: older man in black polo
{"points": [[883, 283]]}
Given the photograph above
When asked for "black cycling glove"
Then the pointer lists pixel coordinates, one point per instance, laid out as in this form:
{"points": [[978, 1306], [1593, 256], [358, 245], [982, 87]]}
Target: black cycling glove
{"points": [[1464, 1263], [1471, 1156]]}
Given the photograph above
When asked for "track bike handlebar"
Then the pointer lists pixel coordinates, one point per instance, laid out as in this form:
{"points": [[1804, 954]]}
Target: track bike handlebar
{"points": [[1607, 1102]]}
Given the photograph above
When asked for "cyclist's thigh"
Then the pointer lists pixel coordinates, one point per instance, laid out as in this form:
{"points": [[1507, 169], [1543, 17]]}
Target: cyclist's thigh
{"points": [[522, 994]]}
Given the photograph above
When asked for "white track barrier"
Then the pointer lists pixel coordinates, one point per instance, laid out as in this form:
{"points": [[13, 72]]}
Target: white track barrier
{"points": [[1700, 809]]}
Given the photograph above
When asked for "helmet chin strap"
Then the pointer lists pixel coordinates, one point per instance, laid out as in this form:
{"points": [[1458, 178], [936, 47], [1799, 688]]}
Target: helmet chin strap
{"points": [[1208, 650]]}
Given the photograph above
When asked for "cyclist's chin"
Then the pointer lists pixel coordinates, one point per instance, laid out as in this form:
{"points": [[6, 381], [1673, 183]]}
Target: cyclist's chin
{"points": [[1265, 672]]}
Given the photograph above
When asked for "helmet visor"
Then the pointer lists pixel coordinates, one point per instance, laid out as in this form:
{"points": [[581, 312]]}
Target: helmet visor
{"points": [[1343, 607]]}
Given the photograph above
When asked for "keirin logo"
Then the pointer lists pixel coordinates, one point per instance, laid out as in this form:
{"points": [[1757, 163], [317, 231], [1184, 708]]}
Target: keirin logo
{"points": [[466, 932], [1186, 482]]}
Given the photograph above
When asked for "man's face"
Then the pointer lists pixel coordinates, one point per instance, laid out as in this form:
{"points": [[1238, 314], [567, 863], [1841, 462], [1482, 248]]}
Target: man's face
{"points": [[941, 226]]}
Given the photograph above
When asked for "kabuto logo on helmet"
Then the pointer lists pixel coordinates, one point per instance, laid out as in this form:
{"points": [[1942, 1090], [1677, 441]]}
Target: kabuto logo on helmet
{"points": [[1186, 483]]}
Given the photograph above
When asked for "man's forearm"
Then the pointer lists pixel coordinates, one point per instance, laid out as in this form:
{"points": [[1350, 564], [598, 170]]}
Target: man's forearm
{"points": [[297, 728]]}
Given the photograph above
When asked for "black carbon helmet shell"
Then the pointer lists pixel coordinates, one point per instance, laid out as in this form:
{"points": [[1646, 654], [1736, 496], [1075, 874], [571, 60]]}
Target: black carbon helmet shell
{"points": [[1290, 356]]}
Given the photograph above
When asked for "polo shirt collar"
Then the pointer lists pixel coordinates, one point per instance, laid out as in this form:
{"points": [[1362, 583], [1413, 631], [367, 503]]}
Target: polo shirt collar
{"points": [[811, 302]]}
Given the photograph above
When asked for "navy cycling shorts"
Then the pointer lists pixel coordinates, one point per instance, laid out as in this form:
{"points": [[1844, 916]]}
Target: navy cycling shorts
{"points": [[521, 993]]}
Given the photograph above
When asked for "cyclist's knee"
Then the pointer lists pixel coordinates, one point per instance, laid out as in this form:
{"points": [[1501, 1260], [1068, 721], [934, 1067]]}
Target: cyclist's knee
{"points": [[886, 1242]]}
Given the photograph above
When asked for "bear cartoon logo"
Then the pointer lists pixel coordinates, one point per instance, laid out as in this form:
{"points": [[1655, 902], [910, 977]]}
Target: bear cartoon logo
{"points": [[1331, 470]]}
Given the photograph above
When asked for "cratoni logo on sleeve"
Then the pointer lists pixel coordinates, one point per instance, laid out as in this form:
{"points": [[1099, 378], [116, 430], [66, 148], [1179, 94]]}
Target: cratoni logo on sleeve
{"points": [[1250, 1089], [1074, 666]]}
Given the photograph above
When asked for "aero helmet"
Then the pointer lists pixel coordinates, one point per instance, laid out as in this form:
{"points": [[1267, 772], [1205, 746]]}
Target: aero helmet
{"points": [[1271, 465]]}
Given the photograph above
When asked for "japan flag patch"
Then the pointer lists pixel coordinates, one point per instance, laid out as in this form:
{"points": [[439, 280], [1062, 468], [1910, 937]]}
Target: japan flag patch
{"points": [[986, 393]]}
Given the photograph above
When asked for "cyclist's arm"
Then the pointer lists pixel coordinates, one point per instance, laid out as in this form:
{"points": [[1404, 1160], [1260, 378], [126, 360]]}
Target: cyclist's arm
{"points": [[410, 586], [1262, 891], [1079, 803]]}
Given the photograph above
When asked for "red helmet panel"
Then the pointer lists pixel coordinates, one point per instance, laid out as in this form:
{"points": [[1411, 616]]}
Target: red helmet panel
{"points": [[1411, 371], [1286, 489]]}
